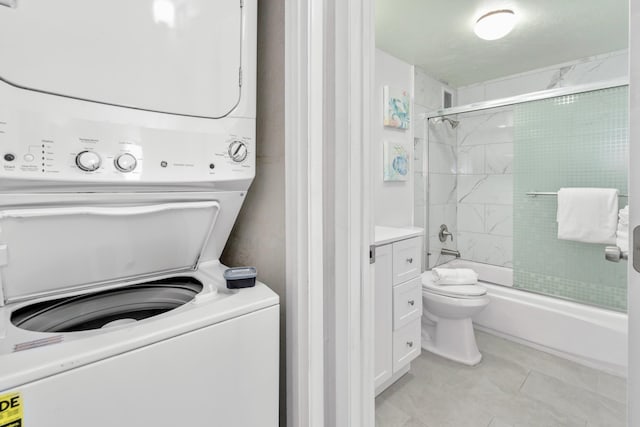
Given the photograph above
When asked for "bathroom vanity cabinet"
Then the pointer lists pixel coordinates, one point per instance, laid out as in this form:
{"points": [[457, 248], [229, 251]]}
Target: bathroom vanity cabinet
{"points": [[398, 302]]}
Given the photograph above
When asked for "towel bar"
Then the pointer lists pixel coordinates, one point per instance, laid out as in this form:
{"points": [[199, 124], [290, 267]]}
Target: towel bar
{"points": [[551, 193]]}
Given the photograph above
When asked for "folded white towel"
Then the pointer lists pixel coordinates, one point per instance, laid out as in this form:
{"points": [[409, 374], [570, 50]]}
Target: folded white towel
{"points": [[588, 215], [454, 276], [622, 234]]}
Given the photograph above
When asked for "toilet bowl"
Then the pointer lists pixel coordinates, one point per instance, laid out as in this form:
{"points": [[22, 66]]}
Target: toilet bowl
{"points": [[447, 328]]}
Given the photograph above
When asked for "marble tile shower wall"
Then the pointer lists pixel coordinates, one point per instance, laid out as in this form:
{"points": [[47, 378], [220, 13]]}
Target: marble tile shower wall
{"points": [[428, 97], [443, 188], [471, 187], [485, 186], [609, 66]]}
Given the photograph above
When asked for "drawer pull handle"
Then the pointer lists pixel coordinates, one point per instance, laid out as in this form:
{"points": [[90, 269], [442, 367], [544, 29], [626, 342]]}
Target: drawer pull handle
{"points": [[410, 344], [410, 260], [411, 302]]}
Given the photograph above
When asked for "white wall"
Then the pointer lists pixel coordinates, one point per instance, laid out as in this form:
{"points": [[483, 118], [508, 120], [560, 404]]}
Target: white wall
{"points": [[428, 95], [593, 69], [258, 237], [393, 200]]}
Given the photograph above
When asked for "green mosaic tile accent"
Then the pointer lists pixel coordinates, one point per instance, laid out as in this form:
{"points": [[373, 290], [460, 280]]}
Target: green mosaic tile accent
{"points": [[570, 141]]}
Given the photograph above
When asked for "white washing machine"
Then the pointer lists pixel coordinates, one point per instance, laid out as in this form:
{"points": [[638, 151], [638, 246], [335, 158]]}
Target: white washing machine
{"points": [[127, 146]]}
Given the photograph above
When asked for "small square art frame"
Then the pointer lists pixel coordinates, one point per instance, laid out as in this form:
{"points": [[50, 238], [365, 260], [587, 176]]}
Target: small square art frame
{"points": [[397, 108], [396, 161]]}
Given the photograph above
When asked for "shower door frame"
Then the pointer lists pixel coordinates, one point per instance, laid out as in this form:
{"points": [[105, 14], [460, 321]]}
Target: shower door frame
{"points": [[499, 103], [528, 97]]}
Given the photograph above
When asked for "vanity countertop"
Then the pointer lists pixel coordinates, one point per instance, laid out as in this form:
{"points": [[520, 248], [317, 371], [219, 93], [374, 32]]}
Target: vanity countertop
{"points": [[384, 235]]}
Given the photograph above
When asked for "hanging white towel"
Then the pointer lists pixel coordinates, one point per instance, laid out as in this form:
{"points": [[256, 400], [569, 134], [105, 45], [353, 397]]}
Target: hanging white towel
{"points": [[622, 235], [588, 215], [454, 276]]}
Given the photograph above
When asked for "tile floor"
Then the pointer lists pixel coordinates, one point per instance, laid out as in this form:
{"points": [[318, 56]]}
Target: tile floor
{"points": [[513, 386]]}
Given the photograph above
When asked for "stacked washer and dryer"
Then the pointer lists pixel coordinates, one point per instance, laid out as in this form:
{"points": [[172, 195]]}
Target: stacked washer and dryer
{"points": [[127, 146]]}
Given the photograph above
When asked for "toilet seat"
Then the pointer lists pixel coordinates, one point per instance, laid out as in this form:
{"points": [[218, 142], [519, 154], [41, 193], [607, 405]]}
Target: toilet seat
{"points": [[456, 291]]}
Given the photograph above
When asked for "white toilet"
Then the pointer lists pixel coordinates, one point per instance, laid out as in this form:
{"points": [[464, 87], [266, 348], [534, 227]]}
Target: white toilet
{"points": [[447, 329]]}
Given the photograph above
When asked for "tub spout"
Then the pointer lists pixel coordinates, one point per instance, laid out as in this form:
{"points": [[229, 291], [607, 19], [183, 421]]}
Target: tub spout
{"points": [[451, 252]]}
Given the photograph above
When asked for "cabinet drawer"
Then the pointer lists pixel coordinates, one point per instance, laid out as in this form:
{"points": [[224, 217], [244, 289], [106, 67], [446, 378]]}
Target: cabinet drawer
{"points": [[406, 259], [407, 303], [406, 344]]}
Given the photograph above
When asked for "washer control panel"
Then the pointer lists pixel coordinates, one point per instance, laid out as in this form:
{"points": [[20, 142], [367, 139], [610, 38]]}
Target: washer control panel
{"points": [[47, 148]]}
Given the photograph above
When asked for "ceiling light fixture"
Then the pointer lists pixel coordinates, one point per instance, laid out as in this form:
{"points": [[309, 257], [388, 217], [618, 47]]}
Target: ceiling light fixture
{"points": [[495, 24]]}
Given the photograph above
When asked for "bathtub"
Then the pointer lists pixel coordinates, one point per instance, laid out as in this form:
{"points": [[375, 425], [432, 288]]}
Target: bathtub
{"points": [[588, 335]]}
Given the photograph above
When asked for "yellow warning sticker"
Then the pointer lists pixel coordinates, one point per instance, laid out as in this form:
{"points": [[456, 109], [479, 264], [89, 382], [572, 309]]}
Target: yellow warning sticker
{"points": [[11, 410]]}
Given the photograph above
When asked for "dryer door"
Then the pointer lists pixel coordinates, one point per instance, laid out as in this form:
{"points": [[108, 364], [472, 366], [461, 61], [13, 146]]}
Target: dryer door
{"points": [[173, 56]]}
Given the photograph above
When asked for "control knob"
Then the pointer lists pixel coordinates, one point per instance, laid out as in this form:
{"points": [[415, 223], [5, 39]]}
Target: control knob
{"points": [[88, 160], [238, 151], [126, 162]]}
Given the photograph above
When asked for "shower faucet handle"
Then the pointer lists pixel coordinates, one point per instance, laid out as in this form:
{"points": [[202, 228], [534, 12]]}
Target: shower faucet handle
{"points": [[444, 233]]}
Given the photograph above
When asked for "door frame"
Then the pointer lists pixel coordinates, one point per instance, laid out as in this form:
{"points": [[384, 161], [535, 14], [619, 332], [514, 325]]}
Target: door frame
{"points": [[304, 275], [353, 26], [329, 60]]}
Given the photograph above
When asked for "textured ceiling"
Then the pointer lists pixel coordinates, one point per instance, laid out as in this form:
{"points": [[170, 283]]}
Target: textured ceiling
{"points": [[437, 35]]}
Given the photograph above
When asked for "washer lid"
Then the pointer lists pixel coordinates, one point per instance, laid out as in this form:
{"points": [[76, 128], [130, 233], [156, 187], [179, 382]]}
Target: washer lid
{"points": [[46, 251], [180, 57]]}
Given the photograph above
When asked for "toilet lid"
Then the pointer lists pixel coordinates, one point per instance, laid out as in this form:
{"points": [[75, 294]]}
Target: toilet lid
{"points": [[455, 290]]}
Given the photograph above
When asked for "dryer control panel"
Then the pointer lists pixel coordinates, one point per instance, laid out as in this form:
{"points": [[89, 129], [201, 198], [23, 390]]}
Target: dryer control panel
{"points": [[34, 146]]}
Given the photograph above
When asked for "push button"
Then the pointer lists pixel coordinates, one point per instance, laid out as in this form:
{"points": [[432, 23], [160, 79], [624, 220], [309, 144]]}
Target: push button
{"points": [[9, 157], [29, 158]]}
